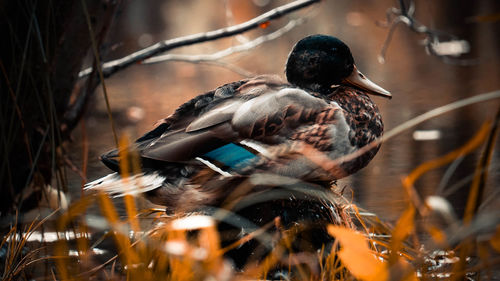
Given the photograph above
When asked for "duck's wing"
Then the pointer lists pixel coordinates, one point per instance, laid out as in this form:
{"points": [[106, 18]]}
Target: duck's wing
{"points": [[266, 118], [194, 108], [244, 89], [255, 112]]}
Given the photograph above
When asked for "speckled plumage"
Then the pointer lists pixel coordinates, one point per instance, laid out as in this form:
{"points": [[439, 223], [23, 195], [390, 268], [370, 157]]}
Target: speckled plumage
{"points": [[365, 122]]}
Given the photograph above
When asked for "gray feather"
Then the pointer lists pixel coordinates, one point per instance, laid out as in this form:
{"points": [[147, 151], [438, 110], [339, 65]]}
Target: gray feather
{"points": [[218, 115]]}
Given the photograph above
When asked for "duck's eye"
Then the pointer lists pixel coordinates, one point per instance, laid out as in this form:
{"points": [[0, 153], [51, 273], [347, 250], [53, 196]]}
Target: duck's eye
{"points": [[333, 50]]}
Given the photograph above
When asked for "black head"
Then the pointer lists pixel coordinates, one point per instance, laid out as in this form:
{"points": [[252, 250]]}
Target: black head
{"points": [[318, 62]]}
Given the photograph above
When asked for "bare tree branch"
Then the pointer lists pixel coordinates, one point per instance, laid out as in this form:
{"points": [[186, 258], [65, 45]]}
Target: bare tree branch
{"points": [[229, 66], [109, 68], [230, 21], [441, 44], [229, 51]]}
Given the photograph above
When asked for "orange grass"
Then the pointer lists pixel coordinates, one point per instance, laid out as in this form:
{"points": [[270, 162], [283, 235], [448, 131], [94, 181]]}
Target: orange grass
{"points": [[153, 246]]}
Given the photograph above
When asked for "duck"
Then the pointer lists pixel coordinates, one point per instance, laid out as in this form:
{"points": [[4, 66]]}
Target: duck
{"points": [[256, 147], [259, 125]]}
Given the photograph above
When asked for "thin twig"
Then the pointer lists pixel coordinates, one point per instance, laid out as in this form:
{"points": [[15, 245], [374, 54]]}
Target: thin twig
{"points": [[328, 164], [74, 168], [35, 162], [214, 59], [85, 91], [99, 70], [18, 112], [433, 38], [447, 175], [229, 66], [229, 51], [109, 68], [85, 157]]}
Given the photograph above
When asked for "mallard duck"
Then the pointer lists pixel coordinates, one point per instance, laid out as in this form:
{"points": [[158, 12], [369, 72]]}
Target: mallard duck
{"points": [[249, 146], [260, 124]]}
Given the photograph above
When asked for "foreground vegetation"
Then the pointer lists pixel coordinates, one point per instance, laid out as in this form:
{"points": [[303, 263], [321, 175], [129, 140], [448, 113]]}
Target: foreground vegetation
{"points": [[427, 242]]}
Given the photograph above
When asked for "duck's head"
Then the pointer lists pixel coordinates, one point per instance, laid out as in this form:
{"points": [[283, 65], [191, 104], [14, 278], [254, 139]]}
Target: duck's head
{"points": [[319, 62]]}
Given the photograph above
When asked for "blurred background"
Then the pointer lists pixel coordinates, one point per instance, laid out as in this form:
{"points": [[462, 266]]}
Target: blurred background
{"points": [[419, 82]]}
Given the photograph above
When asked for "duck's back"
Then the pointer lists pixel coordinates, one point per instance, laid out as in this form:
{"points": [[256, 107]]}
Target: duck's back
{"points": [[186, 113]]}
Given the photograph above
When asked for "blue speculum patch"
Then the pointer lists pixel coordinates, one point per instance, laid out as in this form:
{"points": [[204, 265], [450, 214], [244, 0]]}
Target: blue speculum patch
{"points": [[231, 155]]}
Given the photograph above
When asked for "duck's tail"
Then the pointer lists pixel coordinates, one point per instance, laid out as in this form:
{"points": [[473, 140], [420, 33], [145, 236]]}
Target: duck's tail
{"points": [[117, 186], [179, 193]]}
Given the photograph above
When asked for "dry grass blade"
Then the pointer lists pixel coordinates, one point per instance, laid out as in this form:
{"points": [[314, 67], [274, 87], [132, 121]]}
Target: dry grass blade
{"points": [[404, 227], [99, 69], [495, 240], [248, 237], [417, 120], [61, 248], [129, 257], [125, 158], [475, 196], [16, 240], [85, 156], [481, 173], [409, 180]]}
